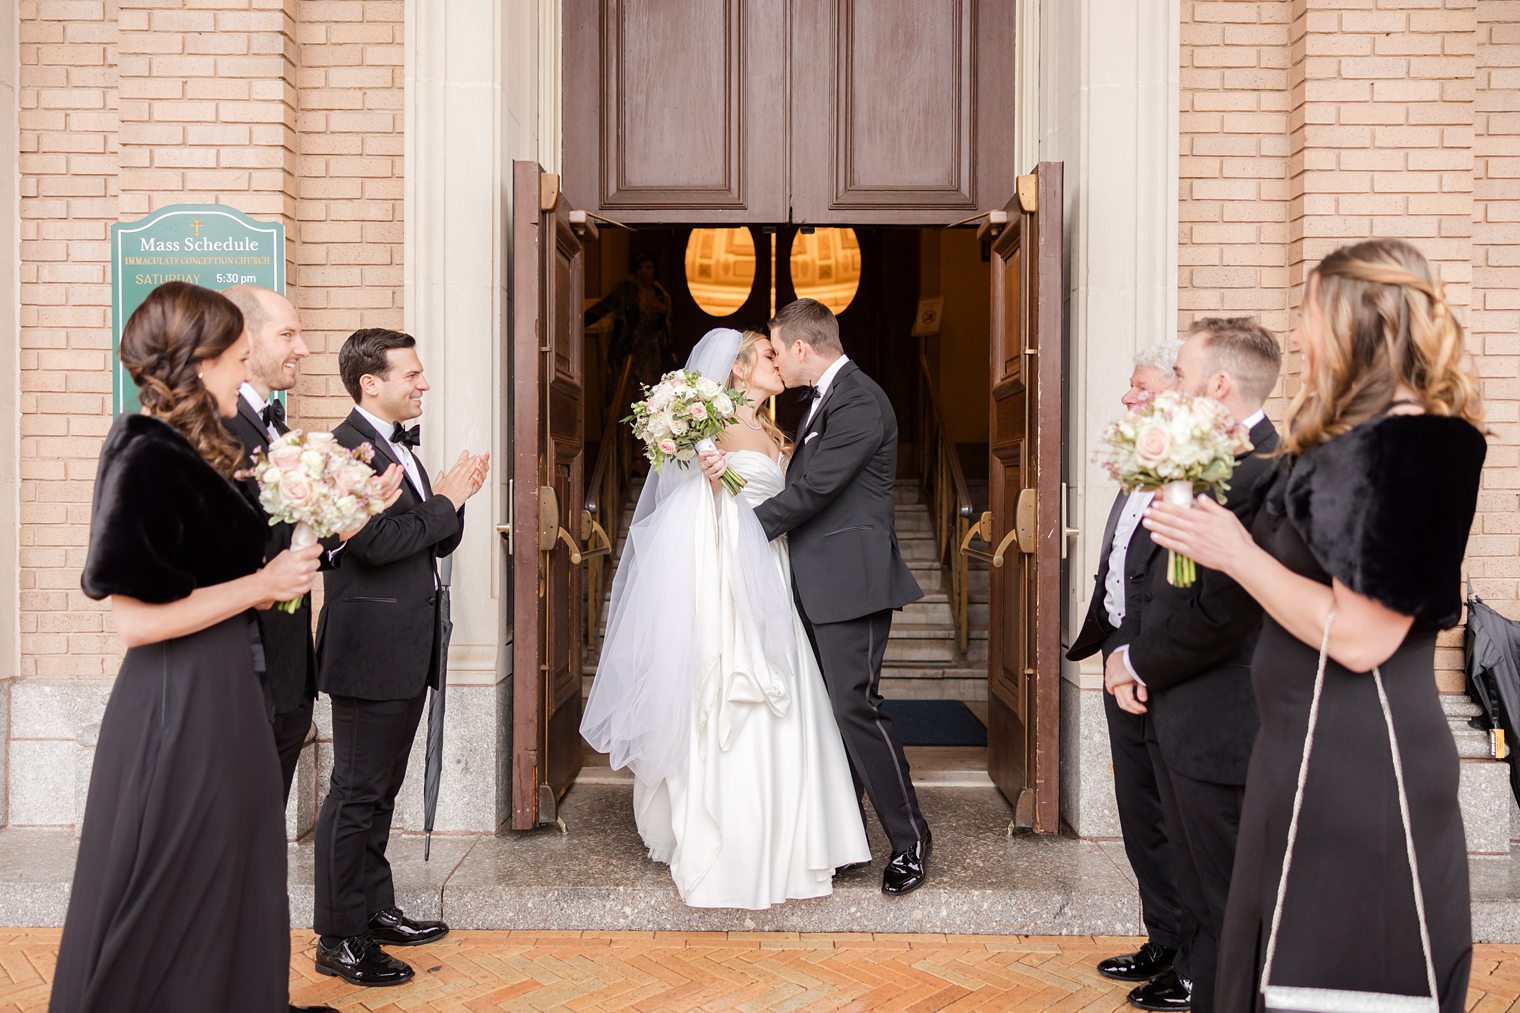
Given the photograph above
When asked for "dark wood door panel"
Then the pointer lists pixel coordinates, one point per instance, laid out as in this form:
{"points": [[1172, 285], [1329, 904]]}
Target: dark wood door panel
{"points": [[901, 110], [1027, 356], [808, 111], [548, 411], [674, 110]]}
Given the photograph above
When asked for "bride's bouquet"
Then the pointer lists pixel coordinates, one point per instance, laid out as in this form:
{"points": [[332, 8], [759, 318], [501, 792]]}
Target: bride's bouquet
{"points": [[311, 481], [680, 415], [1178, 444]]}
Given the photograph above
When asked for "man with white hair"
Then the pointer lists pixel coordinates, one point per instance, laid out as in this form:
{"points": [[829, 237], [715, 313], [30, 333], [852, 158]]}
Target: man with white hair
{"points": [[1140, 816]]}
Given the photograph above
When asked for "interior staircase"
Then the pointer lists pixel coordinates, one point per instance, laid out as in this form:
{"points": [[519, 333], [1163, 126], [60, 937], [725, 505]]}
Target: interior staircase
{"points": [[923, 660]]}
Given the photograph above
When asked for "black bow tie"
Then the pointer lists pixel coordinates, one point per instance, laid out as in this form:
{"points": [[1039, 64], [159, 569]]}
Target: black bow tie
{"points": [[809, 393], [273, 414], [403, 436]]}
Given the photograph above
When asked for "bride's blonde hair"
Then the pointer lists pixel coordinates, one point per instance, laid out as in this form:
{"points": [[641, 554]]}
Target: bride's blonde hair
{"points": [[738, 378], [1386, 324]]}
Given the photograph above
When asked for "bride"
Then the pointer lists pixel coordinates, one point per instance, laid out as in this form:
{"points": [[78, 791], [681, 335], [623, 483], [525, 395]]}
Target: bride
{"points": [[707, 687]]}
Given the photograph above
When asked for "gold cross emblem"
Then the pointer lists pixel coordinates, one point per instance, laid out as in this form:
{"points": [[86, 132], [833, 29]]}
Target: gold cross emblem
{"points": [[197, 225]]}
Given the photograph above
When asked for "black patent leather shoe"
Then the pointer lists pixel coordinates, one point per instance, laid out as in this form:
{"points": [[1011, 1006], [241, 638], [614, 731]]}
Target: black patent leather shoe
{"points": [[907, 870], [392, 928], [1170, 991], [311, 1009], [1149, 961], [358, 960], [845, 870]]}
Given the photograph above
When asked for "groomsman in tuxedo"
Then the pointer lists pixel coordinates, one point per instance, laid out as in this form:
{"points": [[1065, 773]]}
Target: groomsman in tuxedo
{"points": [[1112, 618], [1187, 666], [290, 662], [376, 645]]}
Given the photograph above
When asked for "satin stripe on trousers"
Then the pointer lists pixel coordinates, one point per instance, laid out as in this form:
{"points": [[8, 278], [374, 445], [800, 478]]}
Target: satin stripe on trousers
{"points": [[1142, 823], [850, 654], [372, 740]]}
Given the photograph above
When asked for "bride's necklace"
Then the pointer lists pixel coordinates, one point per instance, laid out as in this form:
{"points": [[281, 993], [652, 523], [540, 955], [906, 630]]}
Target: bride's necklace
{"points": [[756, 427]]}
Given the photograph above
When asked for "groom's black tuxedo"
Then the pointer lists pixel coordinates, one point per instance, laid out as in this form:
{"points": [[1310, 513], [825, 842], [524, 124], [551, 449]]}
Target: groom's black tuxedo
{"points": [[290, 662], [848, 576], [837, 507], [377, 643]]}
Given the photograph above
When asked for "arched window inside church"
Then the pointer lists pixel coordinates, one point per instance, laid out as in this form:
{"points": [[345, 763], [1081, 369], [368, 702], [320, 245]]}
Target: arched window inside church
{"points": [[720, 269], [826, 266]]}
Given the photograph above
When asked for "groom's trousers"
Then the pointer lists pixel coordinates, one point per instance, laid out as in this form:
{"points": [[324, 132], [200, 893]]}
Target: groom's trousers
{"points": [[850, 654]]}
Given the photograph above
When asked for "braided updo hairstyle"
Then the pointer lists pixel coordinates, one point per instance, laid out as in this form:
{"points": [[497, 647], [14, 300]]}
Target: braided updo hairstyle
{"points": [[1386, 325], [178, 327]]}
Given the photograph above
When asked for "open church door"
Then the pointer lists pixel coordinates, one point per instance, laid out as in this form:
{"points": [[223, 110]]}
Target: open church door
{"points": [[1024, 529], [547, 489]]}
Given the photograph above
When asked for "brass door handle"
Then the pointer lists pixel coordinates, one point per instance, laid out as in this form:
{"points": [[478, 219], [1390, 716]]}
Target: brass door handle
{"points": [[577, 554], [983, 528]]}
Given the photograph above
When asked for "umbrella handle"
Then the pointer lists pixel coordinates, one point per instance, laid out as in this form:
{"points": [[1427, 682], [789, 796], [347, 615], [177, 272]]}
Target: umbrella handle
{"points": [[446, 570]]}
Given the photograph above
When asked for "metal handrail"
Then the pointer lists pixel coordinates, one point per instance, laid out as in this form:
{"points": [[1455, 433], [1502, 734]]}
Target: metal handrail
{"points": [[605, 498], [950, 508]]}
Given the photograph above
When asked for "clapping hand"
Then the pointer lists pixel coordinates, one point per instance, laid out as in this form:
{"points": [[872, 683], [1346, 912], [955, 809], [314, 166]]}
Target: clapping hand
{"points": [[465, 478]]}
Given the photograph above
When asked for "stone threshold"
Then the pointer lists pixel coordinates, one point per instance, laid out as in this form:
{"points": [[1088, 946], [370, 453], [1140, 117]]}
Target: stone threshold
{"points": [[594, 876]]}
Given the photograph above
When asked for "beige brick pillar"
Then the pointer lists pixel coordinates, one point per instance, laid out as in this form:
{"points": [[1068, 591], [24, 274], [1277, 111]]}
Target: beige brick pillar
{"points": [[10, 387], [1382, 146]]}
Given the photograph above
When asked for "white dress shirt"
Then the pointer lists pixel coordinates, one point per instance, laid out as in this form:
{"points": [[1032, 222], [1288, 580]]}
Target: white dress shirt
{"points": [[823, 386], [258, 404], [1250, 422], [399, 451]]}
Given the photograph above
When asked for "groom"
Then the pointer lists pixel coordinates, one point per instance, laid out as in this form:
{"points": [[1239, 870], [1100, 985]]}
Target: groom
{"points": [[847, 574]]}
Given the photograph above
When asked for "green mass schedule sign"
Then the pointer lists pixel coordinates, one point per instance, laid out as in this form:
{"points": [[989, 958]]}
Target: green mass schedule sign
{"points": [[210, 245]]}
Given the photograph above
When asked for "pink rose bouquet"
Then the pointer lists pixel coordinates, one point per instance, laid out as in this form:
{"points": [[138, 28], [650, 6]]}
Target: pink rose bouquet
{"points": [[680, 414], [1178, 444], [309, 480]]}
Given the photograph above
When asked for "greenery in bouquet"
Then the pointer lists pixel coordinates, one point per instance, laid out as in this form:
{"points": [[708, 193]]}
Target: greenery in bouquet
{"points": [[680, 412]]}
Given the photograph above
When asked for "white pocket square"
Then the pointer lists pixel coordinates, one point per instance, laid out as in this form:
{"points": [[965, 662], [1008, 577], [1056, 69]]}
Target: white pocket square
{"points": [[810, 437]]}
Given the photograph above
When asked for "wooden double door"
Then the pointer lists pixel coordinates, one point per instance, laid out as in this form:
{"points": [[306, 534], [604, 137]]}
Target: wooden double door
{"points": [[1025, 525]]}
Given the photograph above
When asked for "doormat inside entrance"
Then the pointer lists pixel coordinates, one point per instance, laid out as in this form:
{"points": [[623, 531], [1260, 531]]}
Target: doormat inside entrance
{"points": [[935, 723]]}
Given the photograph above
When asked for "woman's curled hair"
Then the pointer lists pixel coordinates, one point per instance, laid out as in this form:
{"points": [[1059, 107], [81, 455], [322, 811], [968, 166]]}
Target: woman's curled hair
{"points": [[165, 341]]}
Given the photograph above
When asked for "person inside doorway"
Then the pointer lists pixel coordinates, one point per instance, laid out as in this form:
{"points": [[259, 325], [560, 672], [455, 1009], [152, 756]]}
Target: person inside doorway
{"points": [[640, 309]]}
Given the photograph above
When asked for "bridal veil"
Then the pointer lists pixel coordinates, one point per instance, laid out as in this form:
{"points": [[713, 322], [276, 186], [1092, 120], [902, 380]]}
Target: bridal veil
{"points": [[664, 632]]}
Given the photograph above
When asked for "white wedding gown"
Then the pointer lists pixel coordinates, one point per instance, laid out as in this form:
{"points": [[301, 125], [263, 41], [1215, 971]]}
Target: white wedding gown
{"points": [[765, 808]]}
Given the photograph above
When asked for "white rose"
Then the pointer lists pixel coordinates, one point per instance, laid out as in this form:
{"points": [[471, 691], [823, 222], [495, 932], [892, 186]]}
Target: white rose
{"points": [[723, 404], [707, 389]]}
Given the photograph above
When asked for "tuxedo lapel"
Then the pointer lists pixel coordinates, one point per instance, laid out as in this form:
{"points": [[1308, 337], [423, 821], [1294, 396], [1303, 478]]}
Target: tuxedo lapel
{"points": [[382, 449], [845, 371], [251, 417]]}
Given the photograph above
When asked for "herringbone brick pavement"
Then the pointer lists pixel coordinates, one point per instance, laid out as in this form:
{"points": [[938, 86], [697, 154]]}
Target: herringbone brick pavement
{"points": [[671, 971]]}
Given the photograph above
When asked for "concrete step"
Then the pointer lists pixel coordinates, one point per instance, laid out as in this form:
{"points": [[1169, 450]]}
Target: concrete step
{"points": [[1490, 816]]}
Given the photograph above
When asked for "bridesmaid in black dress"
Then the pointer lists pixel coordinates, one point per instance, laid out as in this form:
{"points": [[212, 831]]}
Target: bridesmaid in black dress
{"points": [[179, 893], [1368, 518]]}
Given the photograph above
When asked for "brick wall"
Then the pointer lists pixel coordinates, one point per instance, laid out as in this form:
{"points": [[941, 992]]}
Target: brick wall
{"points": [[286, 109], [1397, 119], [1494, 318], [1233, 186]]}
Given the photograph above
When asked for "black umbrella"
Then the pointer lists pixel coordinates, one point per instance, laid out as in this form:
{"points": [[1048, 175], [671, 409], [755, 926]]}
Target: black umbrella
{"points": [[432, 769], [1492, 646]]}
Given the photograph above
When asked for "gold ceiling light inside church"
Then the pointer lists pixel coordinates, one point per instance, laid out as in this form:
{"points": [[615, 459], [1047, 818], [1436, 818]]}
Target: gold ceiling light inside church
{"points": [[826, 266], [720, 269]]}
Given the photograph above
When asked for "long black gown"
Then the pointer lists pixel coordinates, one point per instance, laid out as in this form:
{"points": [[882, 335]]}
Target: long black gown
{"points": [[179, 894], [1386, 509]]}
